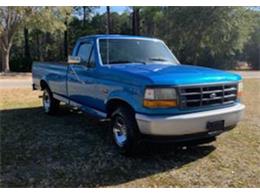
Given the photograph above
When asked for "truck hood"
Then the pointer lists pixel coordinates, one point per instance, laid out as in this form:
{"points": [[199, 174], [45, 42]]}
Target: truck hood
{"points": [[162, 74]]}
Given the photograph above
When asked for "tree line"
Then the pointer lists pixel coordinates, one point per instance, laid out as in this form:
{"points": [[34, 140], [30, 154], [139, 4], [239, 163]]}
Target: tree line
{"points": [[209, 36]]}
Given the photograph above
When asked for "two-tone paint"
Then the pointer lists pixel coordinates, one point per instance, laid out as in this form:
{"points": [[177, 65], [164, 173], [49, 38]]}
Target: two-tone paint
{"points": [[92, 88]]}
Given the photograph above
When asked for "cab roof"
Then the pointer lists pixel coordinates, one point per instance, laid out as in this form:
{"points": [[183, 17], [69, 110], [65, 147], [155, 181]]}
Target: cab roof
{"points": [[114, 36]]}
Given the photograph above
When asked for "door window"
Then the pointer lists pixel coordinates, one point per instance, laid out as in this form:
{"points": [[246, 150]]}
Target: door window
{"points": [[84, 52]]}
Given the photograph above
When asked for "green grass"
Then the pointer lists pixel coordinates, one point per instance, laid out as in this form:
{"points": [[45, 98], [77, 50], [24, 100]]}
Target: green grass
{"points": [[73, 150]]}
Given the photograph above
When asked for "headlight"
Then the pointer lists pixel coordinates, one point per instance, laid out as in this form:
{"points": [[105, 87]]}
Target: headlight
{"points": [[160, 98], [239, 89]]}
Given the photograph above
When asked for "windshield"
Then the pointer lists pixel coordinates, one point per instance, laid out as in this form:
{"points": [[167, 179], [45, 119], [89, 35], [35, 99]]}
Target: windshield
{"points": [[126, 51]]}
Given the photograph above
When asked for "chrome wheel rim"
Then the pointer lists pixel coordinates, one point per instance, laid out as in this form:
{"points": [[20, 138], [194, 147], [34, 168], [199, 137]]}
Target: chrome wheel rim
{"points": [[46, 101], [119, 131]]}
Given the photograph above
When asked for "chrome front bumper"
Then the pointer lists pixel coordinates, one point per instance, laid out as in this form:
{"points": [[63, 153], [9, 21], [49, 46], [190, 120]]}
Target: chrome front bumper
{"points": [[188, 123]]}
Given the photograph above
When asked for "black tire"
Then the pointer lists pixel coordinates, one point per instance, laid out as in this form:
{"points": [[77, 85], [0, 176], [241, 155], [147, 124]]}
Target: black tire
{"points": [[50, 104], [132, 140]]}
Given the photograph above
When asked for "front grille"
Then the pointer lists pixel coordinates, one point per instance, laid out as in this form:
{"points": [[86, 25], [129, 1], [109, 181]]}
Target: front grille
{"points": [[203, 95]]}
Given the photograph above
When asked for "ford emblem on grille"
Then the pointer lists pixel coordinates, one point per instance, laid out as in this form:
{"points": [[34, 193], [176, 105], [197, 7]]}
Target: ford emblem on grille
{"points": [[213, 95]]}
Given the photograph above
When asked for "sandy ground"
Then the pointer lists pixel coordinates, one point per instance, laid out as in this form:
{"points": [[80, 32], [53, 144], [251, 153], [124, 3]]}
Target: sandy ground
{"points": [[16, 83]]}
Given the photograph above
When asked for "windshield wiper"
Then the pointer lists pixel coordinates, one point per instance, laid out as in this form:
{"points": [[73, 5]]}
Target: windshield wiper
{"points": [[126, 62], [159, 59]]}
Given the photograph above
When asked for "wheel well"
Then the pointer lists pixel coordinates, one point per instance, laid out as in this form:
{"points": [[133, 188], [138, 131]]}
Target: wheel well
{"points": [[43, 84], [113, 104]]}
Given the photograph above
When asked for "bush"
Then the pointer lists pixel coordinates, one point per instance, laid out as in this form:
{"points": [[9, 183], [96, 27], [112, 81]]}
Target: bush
{"points": [[20, 64]]}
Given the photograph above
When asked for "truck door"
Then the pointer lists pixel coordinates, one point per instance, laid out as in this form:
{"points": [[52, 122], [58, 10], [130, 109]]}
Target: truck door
{"points": [[80, 81]]}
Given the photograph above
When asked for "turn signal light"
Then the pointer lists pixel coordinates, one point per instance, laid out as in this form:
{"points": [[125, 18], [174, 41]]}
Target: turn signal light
{"points": [[160, 103]]}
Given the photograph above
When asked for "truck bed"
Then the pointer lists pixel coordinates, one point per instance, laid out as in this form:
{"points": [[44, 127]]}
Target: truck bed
{"points": [[53, 73]]}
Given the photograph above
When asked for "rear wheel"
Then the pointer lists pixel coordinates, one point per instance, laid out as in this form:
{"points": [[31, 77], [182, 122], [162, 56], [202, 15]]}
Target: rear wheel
{"points": [[50, 105], [125, 131]]}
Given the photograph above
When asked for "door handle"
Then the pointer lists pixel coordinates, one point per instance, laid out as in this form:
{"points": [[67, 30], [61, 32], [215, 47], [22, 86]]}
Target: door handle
{"points": [[71, 72], [105, 91]]}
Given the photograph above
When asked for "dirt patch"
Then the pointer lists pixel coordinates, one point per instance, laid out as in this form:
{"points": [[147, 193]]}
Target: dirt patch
{"points": [[16, 75]]}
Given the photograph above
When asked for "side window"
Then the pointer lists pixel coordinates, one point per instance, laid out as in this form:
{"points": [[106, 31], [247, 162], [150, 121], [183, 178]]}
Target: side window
{"points": [[84, 52]]}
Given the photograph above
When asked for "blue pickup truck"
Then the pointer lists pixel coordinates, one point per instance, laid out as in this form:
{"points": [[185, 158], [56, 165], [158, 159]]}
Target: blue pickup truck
{"points": [[139, 85]]}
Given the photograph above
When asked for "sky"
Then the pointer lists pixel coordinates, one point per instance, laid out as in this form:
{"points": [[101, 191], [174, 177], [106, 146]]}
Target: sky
{"points": [[119, 9]]}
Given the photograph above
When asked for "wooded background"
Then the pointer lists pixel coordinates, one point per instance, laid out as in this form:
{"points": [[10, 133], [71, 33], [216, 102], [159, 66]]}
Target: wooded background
{"points": [[220, 37]]}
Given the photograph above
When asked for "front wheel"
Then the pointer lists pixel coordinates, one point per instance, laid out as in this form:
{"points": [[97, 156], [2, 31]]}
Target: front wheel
{"points": [[125, 131], [50, 105]]}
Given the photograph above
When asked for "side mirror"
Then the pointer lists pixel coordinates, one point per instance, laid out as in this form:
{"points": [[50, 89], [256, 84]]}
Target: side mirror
{"points": [[74, 59]]}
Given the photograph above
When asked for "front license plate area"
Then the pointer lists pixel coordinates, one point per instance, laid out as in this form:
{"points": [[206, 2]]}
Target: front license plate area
{"points": [[215, 126]]}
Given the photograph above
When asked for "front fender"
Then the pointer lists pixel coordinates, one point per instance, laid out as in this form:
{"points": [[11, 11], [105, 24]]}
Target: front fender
{"points": [[132, 99]]}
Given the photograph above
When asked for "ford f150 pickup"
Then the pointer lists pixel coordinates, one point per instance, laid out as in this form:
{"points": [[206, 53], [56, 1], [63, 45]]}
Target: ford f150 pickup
{"points": [[139, 85]]}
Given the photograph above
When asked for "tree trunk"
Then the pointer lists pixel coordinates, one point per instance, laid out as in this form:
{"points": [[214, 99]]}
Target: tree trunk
{"points": [[84, 16], [136, 21], [5, 61], [258, 67], [38, 45], [108, 20], [27, 54], [133, 21], [65, 45], [1, 61], [5, 45]]}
